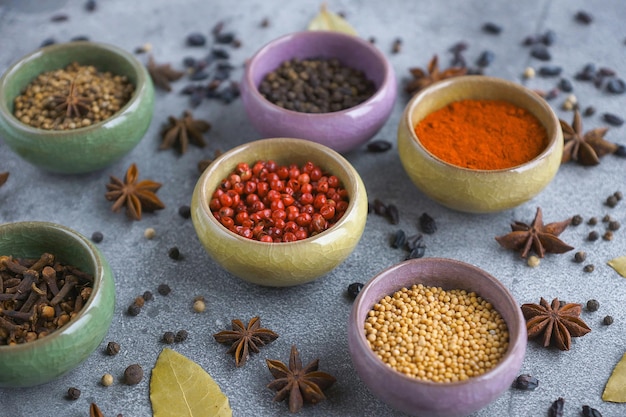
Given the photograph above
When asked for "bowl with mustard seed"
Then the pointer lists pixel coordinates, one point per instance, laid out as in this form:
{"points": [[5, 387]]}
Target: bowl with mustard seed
{"points": [[436, 337], [279, 211], [75, 107], [57, 297], [479, 144], [324, 86]]}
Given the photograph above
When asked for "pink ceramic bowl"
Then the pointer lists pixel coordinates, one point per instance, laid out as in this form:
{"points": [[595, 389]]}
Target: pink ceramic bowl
{"points": [[342, 130], [431, 399]]}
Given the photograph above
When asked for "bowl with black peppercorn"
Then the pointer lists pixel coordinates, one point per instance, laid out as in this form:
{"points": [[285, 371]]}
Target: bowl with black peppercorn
{"points": [[279, 211], [56, 301], [75, 107], [328, 87], [479, 144], [436, 337]]}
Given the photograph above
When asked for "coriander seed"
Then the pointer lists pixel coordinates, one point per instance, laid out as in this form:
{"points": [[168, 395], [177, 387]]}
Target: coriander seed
{"points": [[107, 380], [133, 374], [149, 233], [139, 301], [199, 306], [533, 261], [593, 305], [112, 348]]}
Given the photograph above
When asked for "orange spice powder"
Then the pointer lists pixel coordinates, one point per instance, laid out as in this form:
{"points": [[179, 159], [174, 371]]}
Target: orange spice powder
{"points": [[482, 134]]}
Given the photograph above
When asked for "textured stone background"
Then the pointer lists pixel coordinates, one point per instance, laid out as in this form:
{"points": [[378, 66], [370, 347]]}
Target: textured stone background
{"points": [[314, 316]]}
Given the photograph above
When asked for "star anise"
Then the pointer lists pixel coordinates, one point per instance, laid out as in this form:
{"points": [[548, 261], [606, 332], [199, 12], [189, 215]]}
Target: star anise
{"points": [[136, 196], [558, 323], [245, 339], [536, 236], [162, 74], [204, 163], [4, 176], [298, 383], [94, 411], [422, 78], [182, 131], [587, 148], [72, 103]]}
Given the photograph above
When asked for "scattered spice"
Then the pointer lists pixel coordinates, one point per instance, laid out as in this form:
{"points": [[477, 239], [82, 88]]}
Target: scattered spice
{"points": [[533, 261], [164, 289], [393, 214], [608, 320], [396, 47], [94, 410], [593, 236], [379, 146], [589, 268], [526, 382], [149, 233], [354, 289], [245, 339], [107, 380], [608, 235], [137, 196], [399, 239], [181, 336], [587, 148], [556, 323], [427, 224], [537, 237], [168, 337], [577, 220], [423, 78], [296, 383], [4, 176], [593, 305], [39, 296], [97, 237], [492, 28], [612, 119], [113, 348], [590, 412], [510, 135], [180, 132], [316, 85], [72, 97], [592, 221], [403, 317], [611, 201], [184, 211], [162, 74], [556, 409], [174, 253], [73, 393], [196, 39], [580, 256], [133, 310], [91, 5], [585, 18], [133, 374], [199, 305]]}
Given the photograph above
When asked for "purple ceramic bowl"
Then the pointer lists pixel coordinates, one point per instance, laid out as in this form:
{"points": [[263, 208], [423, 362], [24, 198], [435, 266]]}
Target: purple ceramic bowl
{"points": [[342, 130], [425, 398]]}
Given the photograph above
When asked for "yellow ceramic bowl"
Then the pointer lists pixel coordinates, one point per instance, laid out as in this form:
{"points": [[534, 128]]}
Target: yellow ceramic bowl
{"points": [[280, 264], [477, 191]]}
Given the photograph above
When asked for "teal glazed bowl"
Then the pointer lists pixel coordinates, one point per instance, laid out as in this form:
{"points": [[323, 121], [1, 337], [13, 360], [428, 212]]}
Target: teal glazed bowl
{"points": [[42, 360], [84, 149]]}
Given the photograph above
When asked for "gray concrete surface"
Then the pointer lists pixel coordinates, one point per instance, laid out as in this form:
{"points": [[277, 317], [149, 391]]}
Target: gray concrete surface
{"points": [[314, 316]]}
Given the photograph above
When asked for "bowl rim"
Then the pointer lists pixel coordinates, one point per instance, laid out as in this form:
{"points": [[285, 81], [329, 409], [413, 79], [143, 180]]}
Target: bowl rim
{"points": [[98, 275], [388, 77], [503, 364], [138, 68], [209, 172], [481, 79]]}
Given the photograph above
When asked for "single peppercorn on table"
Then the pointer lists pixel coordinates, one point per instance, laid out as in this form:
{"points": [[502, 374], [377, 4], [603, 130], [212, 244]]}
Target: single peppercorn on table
{"points": [[313, 317]]}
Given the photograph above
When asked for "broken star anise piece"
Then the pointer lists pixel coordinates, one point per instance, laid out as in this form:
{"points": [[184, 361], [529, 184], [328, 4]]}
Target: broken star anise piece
{"points": [[162, 74], [536, 236], [557, 323], [422, 78], [245, 339], [181, 132], [137, 196], [298, 384], [71, 103], [584, 148]]}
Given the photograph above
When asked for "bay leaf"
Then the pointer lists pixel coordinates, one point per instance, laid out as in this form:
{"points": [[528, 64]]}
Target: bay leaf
{"points": [[327, 20], [615, 388], [179, 387], [619, 265]]}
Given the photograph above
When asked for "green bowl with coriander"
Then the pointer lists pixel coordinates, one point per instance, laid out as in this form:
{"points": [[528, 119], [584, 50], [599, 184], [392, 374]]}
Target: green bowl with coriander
{"points": [[71, 309], [75, 107]]}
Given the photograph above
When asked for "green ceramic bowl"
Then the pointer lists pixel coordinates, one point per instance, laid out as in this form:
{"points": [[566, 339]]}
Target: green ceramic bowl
{"points": [[280, 264], [477, 191], [42, 360], [79, 150]]}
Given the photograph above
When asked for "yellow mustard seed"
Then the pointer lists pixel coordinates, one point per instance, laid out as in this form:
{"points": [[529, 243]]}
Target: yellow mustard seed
{"points": [[435, 334], [107, 380]]}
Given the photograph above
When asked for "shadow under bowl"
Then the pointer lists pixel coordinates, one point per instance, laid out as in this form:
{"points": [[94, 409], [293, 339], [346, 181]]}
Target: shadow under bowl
{"points": [[341, 130], [425, 398], [88, 148], [471, 190], [42, 360]]}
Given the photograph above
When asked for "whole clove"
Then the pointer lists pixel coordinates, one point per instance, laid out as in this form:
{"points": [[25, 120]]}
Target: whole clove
{"points": [[526, 382], [399, 239], [590, 412], [354, 289], [427, 224], [556, 409]]}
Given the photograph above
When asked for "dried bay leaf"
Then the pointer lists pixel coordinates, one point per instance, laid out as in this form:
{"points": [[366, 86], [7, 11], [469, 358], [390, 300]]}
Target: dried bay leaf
{"points": [[327, 20], [615, 389], [619, 265], [179, 387]]}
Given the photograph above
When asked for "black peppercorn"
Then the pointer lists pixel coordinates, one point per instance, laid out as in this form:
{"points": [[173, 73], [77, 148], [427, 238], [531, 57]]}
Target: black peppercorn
{"points": [[196, 39], [354, 289], [184, 212], [611, 201], [164, 289], [133, 374], [592, 221], [589, 268], [181, 336], [73, 393], [614, 225], [618, 195], [590, 412], [526, 382], [174, 253], [427, 224], [608, 320], [608, 235], [133, 310], [593, 305], [580, 256], [113, 348], [147, 296], [168, 337], [97, 237], [577, 219], [593, 236], [379, 146]]}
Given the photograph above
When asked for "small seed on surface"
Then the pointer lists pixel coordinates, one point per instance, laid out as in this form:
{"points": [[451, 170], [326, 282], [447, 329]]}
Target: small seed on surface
{"points": [[112, 348], [133, 374], [593, 305], [107, 380]]}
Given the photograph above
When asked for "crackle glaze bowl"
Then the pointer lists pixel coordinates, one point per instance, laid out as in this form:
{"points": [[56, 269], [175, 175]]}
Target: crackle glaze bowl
{"points": [[84, 149], [471, 190], [425, 398], [287, 263], [342, 130], [42, 360]]}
